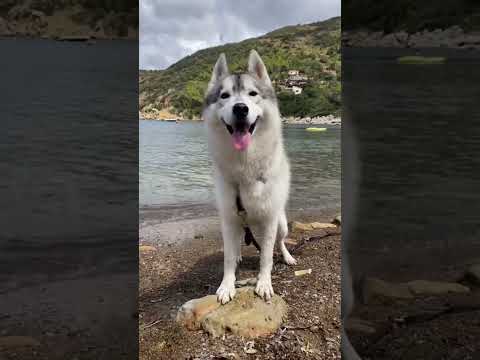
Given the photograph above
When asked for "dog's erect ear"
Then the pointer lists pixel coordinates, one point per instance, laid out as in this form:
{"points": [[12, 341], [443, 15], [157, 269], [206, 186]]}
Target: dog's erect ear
{"points": [[257, 67], [220, 70]]}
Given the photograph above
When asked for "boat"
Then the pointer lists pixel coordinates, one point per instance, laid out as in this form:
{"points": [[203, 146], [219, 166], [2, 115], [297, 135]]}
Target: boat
{"points": [[315, 129]]}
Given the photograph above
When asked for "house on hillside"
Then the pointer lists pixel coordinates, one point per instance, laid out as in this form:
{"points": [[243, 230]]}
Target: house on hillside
{"points": [[294, 82], [297, 90]]}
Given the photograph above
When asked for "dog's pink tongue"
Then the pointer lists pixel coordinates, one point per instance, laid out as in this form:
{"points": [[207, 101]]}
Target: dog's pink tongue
{"points": [[241, 140]]}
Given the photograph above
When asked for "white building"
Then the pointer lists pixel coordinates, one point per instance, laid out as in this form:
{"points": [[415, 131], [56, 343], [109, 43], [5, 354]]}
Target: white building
{"points": [[296, 90]]}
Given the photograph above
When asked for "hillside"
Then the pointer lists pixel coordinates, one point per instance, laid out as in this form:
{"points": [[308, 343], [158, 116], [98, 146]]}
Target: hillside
{"points": [[313, 49], [410, 15], [101, 19]]}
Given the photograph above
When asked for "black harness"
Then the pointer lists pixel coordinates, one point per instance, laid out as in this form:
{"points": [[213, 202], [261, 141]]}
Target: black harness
{"points": [[249, 239]]}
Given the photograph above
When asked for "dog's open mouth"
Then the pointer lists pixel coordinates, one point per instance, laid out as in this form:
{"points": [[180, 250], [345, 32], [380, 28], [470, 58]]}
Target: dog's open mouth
{"points": [[241, 137]]}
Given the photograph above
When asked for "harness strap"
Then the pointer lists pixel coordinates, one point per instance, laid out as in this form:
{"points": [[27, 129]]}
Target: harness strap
{"points": [[249, 238]]}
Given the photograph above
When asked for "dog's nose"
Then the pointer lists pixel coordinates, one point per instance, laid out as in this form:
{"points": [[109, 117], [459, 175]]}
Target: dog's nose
{"points": [[240, 110]]}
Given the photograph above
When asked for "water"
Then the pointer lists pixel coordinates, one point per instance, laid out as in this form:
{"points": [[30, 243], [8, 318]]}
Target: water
{"points": [[411, 152], [176, 172], [69, 140]]}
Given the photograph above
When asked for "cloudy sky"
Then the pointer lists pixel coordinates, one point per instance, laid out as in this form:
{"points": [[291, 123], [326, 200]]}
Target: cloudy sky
{"points": [[172, 29]]}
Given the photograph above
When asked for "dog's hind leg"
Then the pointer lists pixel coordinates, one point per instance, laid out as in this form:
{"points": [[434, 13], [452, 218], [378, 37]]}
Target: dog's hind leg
{"points": [[281, 237]]}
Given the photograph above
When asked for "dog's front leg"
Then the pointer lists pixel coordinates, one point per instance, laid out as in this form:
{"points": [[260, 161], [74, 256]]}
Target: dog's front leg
{"points": [[268, 232], [232, 233]]}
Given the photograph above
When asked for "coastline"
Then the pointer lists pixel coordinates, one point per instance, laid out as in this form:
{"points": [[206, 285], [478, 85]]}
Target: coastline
{"points": [[319, 120], [40, 21], [157, 229], [452, 37]]}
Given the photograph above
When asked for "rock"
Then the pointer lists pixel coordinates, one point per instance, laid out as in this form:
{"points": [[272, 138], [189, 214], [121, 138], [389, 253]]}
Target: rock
{"points": [[356, 325], [337, 220], [17, 12], [425, 287], [291, 241], [303, 272], [246, 315], [318, 225], [192, 313], [298, 226], [379, 289], [4, 29], [473, 272], [249, 348], [246, 282], [462, 302], [18, 341], [39, 18], [389, 40], [146, 248]]}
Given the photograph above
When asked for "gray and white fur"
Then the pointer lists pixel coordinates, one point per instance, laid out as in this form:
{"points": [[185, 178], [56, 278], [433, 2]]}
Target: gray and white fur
{"points": [[241, 110]]}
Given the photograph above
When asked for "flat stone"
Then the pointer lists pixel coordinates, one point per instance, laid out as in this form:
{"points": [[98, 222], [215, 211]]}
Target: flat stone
{"points": [[194, 311], [246, 282], [303, 272], [146, 248], [246, 315], [319, 225], [291, 241], [298, 226], [18, 341], [425, 287], [356, 325], [378, 289]]}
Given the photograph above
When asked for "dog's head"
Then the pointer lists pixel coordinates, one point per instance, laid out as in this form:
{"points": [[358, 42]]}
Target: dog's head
{"points": [[239, 102]]}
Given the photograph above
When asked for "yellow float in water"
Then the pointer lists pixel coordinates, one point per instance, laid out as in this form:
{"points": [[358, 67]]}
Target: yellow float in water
{"points": [[315, 129], [423, 60]]}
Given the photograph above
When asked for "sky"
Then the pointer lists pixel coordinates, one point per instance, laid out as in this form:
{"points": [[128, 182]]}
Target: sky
{"points": [[173, 29]]}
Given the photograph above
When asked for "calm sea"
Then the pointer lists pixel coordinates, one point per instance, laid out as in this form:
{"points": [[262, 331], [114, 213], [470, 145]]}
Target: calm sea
{"points": [[176, 172]]}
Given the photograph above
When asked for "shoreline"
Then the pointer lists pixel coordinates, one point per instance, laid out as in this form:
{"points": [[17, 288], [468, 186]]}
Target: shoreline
{"points": [[453, 37], [25, 20], [156, 229], [319, 120]]}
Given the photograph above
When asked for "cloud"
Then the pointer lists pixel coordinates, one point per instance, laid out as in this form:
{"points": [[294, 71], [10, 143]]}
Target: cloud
{"points": [[172, 29]]}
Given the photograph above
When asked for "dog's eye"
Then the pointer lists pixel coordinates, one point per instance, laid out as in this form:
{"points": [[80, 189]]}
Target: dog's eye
{"points": [[225, 95], [253, 93]]}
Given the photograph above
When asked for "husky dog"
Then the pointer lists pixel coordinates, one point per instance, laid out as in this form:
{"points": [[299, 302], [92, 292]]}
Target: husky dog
{"points": [[251, 169]]}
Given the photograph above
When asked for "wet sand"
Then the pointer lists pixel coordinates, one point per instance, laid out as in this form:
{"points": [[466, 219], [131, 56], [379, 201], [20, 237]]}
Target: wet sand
{"points": [[161, 226]]}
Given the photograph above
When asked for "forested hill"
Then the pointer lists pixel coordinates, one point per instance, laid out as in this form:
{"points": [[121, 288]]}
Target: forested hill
{"points": [[311, 49], [410, 15], [110, 19]]}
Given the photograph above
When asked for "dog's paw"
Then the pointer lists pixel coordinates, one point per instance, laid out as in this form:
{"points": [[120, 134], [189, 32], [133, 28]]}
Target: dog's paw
{"points": [[289, 259], [226, 292], [264, 288]]}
